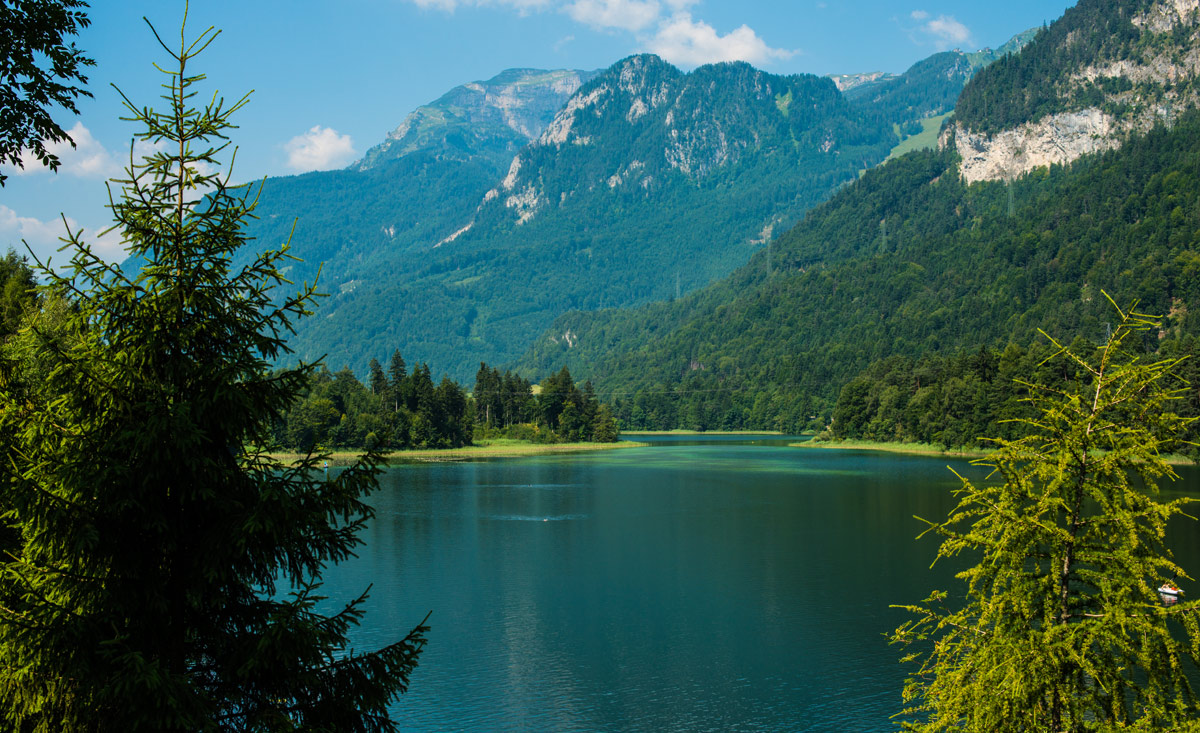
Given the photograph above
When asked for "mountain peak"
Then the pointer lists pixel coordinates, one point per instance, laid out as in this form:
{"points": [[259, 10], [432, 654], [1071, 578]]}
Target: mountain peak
{"points": [[491, 119]]}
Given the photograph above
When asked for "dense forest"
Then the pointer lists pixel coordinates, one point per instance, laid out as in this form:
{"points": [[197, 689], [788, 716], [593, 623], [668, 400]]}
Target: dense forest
{"points": [[909, 261], [399, 409]]}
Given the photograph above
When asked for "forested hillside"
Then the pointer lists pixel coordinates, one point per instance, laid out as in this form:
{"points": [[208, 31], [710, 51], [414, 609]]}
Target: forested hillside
{"points": [[909, 261], [459, 246]]}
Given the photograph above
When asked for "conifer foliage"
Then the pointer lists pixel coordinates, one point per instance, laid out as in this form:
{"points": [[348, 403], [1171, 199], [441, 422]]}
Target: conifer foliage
{"points": [[1062, 627], [167, 571]]}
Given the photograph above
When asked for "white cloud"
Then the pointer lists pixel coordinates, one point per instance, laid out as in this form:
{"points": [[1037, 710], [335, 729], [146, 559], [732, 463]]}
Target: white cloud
{"points": [[630, 15], [687, 42], [321, 148], [664, 27], [44, 237], [450, 5], [88, 159], [946, 31], [919, 15]]}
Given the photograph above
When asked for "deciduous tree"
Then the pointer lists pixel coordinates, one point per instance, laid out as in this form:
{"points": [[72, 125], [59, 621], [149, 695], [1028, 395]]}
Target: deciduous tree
{"points": [[1061, 627], [39, 71]]}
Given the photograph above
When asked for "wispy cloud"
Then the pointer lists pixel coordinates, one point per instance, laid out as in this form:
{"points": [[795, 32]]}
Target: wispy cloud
{"points": [[664, 27], [319, 149], [943, 31]]}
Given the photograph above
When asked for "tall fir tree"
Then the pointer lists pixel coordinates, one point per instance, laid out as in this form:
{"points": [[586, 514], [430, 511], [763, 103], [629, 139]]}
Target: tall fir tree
{"points": [[1062, 627], [398, 380], [168, 571]]}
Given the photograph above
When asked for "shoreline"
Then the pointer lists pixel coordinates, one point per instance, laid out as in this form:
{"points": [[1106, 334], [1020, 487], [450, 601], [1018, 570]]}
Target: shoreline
{"points": [[928, 449], [485, 449], [701, 432], [914, 449]]}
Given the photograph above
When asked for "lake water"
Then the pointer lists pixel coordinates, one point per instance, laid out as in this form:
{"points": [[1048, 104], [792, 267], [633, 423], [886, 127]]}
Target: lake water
{"points": [[717, 584]]}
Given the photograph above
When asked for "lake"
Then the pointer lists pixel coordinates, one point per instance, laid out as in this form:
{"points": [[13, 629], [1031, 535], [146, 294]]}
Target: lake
{"points": [[726, 583]]}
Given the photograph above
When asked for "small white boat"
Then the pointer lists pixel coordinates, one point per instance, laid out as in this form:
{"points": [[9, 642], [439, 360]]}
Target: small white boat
{"points": [[1169, 589]]}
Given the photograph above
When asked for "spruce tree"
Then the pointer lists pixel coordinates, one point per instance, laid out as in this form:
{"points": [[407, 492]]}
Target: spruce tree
{"points": [[168, 570], [1062, 627]]}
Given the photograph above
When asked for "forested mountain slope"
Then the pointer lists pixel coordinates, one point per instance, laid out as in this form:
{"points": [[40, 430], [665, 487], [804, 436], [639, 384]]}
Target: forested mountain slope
{"points": [[647, 183], [908, 261]]}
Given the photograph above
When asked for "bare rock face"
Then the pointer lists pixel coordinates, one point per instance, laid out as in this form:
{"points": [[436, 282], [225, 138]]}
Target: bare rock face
{"points": [[1058, 139]]}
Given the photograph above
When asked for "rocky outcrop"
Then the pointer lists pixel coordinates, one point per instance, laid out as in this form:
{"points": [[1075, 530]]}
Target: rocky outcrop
{"points": [[1058, 139]]}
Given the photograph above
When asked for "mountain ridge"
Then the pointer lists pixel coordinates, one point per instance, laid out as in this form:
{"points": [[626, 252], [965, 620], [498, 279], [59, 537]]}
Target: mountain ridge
{"points": [[913, 258]]}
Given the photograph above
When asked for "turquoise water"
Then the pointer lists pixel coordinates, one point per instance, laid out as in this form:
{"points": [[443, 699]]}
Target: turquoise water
{"points": [[697, 585]]}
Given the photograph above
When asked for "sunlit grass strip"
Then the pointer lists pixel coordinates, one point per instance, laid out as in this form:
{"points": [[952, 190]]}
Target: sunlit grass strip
{"points": [[920, 449], [929, 449], [701, 432]]}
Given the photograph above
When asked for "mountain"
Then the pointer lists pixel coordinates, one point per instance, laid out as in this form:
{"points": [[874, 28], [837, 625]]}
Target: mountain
{"points": [[646, 183], [407, 191], [490, 119], [930, 87], [917, 257]]}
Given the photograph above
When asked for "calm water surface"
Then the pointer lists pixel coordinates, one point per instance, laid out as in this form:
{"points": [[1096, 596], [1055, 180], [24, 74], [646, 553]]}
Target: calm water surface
{"points": [[727, 584]]}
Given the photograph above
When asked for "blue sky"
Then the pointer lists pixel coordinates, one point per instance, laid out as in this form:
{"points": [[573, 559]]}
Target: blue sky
{"points": [[330, 79]]}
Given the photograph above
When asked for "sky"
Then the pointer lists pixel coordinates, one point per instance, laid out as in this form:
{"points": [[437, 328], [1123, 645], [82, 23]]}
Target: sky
{"points": [[329, 79]]}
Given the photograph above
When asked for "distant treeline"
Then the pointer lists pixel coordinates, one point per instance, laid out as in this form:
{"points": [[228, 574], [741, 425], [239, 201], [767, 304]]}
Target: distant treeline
{"points": [[398, 409]]}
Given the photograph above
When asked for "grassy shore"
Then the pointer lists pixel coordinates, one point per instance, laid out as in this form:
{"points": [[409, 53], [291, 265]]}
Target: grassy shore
{"points": [[701, 432], [916, 449], [498, 448], [927, 449]]}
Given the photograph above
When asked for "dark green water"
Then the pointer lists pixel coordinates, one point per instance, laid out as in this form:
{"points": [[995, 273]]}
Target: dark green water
{"points": [[697, 585]]}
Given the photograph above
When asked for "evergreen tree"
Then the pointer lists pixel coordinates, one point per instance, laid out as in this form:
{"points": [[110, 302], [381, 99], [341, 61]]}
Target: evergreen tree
{"points": [[168, 573], [398, 380], [1062, 627], [604, 428], [17, 293], [379, 383]]}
